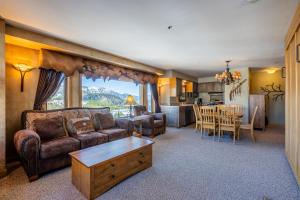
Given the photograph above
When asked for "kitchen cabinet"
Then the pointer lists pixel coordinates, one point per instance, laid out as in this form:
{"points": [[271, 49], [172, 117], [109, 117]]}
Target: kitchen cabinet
{"points": [[211, 87]]}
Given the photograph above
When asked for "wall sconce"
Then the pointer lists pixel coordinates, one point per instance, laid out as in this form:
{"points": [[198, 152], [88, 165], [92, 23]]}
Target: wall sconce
{"points": [[23, 69]]}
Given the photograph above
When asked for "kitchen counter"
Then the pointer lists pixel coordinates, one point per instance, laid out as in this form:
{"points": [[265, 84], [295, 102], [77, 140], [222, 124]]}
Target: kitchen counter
{"points": [[179, 116]]}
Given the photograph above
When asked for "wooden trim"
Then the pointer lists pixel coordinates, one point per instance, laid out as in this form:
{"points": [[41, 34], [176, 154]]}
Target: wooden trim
{"points": [[293, 27], [292, 97], [77, 49], [2, 100]]}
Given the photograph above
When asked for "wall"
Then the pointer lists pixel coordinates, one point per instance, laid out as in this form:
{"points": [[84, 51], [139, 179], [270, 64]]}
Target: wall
{"points": [[16, 102], [175, 74], [242, 99], [275, 109], [206, 79], [164, 91]]}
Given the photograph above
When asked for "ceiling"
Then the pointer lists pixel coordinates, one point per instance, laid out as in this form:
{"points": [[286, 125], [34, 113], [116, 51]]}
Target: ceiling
{"points": [[205, 33]]}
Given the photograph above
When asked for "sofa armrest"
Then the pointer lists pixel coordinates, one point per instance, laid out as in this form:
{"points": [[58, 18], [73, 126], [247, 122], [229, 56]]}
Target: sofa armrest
{"points": [[28, 144], [125, 124], [147, 121]]}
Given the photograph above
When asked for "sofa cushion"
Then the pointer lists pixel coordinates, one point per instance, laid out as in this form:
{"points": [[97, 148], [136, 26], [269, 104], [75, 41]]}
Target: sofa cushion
{"points": [[78, 126], [28, 117], [49, 129], [105, 120], [115, 133], [158, 123], [58, 147], [91, 139]]}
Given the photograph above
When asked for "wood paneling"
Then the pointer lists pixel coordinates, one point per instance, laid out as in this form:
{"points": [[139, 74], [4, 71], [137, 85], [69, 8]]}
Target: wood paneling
{"points": [[292, 98], [97, 169]]}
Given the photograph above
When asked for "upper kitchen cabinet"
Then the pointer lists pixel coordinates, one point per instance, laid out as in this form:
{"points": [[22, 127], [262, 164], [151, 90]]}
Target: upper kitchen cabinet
{"points": [[211, 87]]}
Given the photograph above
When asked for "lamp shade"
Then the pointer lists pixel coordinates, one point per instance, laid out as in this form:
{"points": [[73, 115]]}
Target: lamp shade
{"points": [[22, 67], [130, 100]]}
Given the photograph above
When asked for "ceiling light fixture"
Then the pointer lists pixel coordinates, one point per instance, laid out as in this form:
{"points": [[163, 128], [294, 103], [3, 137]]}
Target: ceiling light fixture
{"points": [[170, 27], [227, 77], [251, 1]]}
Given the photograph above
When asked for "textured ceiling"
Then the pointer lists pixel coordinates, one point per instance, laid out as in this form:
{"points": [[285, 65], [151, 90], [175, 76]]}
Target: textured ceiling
{"points": [[205, 33]]}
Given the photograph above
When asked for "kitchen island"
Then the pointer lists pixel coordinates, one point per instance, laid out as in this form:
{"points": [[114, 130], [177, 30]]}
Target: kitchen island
{"points": [[179, 116]]}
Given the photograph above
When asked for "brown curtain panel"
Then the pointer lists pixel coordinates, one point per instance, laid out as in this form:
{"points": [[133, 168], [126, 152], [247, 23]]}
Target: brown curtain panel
{"points": [[155, 97], [49, 82]]}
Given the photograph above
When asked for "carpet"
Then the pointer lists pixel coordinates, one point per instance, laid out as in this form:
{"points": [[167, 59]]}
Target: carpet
{"points": [[185, 167]]}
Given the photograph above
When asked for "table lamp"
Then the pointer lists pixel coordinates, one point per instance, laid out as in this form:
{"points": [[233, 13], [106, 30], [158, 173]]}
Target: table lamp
{"points": [[130, 101]]}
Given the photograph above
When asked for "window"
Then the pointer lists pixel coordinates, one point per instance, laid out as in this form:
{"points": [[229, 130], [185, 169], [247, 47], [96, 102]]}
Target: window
{"points": [[149, 98], [111, 94], [57, 101]]}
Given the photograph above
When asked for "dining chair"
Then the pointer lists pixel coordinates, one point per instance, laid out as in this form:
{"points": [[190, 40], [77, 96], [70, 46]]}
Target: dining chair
{"points": [[208, 117], [237, 108], [250, 126], [227, 121], [198, 119]]}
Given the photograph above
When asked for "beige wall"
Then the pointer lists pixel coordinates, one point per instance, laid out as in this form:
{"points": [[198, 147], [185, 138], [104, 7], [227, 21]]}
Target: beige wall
{"points": [[275, 109], [2, 99], [17, 101], [242, 99]]}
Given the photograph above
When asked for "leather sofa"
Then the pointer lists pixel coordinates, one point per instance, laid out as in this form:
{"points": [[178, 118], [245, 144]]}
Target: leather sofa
{"points": [[153, 124], [48, 136]]}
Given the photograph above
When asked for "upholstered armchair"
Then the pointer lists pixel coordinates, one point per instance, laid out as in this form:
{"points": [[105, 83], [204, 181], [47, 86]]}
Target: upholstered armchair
{"points": [[153, 124]]}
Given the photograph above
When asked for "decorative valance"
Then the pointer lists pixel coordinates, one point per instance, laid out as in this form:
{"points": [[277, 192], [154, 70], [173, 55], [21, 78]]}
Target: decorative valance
{"points": [[92, 69]]}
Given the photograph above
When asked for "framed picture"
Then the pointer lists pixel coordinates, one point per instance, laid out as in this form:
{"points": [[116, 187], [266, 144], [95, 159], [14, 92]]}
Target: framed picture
{"points": [[283, 72], [298, 53]]}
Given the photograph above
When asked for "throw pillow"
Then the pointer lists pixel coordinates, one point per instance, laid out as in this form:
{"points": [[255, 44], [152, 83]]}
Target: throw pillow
{"points": [[49, 128], [80, 126], [106, 120]]}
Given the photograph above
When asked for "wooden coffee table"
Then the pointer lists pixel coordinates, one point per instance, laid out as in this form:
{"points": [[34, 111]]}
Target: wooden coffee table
{"points": [[97, 169]]}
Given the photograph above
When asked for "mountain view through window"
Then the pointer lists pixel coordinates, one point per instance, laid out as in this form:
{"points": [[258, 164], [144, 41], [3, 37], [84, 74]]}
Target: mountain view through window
{"points": [[112, 93]]}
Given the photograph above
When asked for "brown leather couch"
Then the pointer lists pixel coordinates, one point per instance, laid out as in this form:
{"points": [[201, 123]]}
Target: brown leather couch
{"points": [[153, 124], [48, 136]]}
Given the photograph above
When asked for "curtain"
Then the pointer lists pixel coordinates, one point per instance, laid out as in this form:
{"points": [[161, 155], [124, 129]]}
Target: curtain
{"points": [[155, 97], [49, 82], [68, 64]]}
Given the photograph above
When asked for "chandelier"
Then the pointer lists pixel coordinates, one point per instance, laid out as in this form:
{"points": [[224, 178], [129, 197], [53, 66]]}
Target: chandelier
{"points": [[227, 77]]}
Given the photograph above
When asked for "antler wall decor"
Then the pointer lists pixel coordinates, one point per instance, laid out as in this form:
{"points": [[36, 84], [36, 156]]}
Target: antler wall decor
{"points": [[237, 90], [275, 90]]}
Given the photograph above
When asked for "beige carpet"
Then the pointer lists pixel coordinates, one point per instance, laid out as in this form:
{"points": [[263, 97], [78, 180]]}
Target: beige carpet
{"points": [[184, 167]]}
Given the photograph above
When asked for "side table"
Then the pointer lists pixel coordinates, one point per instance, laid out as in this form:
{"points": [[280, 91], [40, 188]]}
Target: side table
{"points": [[137, 122]]}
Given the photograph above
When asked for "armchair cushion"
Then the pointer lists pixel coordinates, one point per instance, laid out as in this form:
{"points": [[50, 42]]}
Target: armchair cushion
{"points": [[115, 133], [158, 123], [58, 147], [78, 126], [49, 129], [91, 139], [105, 120], [147, 121]]}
